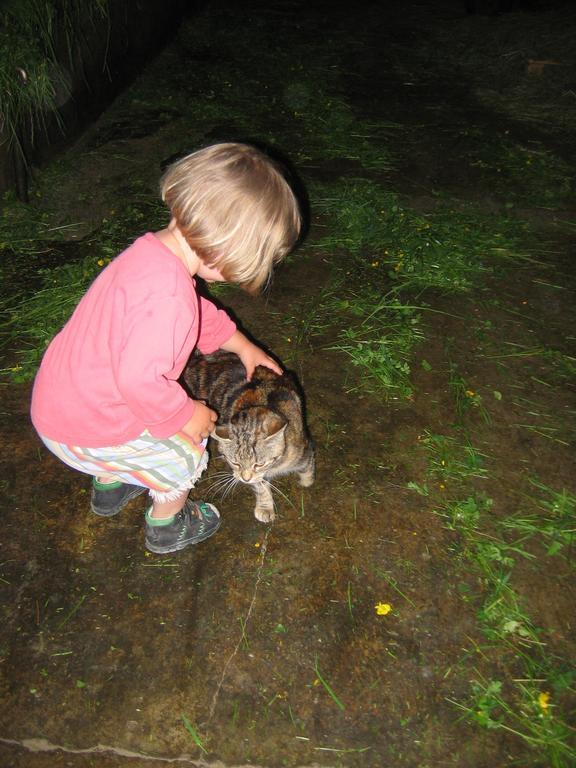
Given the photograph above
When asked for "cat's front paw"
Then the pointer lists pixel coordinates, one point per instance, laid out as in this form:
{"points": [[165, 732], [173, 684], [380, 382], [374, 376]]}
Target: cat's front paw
{"points": [[264, 514]]}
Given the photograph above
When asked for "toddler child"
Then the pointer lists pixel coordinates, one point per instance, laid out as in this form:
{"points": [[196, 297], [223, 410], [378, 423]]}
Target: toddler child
{"points": [[106, 399]]}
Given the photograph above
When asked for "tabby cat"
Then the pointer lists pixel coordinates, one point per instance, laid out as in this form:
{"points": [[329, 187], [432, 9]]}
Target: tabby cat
{"points": [[261, 430]]}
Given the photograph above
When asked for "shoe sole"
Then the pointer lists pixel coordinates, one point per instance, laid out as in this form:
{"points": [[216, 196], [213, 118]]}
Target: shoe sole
{"points": [[183, 544]]}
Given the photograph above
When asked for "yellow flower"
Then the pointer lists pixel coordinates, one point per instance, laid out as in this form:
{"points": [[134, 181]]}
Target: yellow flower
{"points": [[544, 701], [382, 609], [257, 544], [470, 393], [100, 262], [375, 263]]}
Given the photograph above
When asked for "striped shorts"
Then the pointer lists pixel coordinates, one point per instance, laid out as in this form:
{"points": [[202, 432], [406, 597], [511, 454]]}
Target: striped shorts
{"points": [[166, 467]]}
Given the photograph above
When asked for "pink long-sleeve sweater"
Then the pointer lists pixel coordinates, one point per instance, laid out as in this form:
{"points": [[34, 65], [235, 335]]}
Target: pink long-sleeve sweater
{"points": [[112, 370]]}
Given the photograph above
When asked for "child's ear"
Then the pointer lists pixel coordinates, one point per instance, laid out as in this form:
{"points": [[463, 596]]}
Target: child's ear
{"points": [[221, 433]]}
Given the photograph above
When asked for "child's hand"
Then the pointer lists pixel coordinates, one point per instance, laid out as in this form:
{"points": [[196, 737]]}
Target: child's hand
{"points": [[250, 354], [202, 423], [253, 356]]}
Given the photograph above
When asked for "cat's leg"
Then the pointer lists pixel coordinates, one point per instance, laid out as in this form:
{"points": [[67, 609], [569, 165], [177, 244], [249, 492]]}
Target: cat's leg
{"points": [[306, 475], [264, 509]]}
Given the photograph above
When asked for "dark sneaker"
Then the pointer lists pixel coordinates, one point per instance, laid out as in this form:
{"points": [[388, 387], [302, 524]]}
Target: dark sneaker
{"points": [[195, 522], [108, 500]]}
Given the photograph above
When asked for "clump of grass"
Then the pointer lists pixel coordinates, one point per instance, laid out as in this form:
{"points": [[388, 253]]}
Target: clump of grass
{"points": [[447, 249], [465, 398], [524, 175], [463, 515], [452, 459], [27, 239], [380, 339], [390, 251], [528, 705], [333, 131], [29, 67], [554, 521], [563, 366], [31, 323], [528, 712]]}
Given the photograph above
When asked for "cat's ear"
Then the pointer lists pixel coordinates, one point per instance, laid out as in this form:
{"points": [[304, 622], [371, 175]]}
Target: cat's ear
{"points": [[222, 433], [275, 426]]}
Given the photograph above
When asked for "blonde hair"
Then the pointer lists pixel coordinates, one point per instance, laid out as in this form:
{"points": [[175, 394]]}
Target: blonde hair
{"points": [[235, 209]]}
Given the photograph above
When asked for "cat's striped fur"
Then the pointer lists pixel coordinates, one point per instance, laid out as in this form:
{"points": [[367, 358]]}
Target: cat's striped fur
{"points": [[261, 430]]}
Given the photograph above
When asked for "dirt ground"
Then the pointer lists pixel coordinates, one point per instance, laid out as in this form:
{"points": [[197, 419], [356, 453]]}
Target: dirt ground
{"points": [[264, 641]]}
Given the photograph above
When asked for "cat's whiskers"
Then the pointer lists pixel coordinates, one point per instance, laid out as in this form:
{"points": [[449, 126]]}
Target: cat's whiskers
{"points": [[230, 485], [223, 483], [275, 489], [218, 477]]}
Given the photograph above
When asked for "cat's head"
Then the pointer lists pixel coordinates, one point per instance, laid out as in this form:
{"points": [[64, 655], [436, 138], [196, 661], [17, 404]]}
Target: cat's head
{"points": [[253, 443]]}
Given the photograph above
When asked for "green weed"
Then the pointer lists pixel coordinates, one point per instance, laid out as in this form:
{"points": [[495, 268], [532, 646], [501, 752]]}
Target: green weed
{"points": [[327, 687], [382, 347], [554, 522], [465, 398], [527, 711], [451, 459], [30, 70], [523, 706], [194, 734], [463, 515], [501, 616]]}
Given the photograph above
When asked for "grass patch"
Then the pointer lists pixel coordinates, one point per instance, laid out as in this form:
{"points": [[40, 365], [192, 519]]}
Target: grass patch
{"points": [[553, 522], [530, 717], [528, 701], [379, 337], [384, 254], [448, 249], [524, 175]]}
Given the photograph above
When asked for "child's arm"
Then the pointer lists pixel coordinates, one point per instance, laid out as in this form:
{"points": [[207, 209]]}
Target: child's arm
{"points": [[250, 354]]}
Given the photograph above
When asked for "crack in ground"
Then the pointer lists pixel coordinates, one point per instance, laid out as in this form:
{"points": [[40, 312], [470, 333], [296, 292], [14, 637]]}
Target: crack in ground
{"points": [[43, 745], [246, 620]]}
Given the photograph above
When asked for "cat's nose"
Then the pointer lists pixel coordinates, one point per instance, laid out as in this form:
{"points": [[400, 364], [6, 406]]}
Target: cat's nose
{"points": [[246, 475]]}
